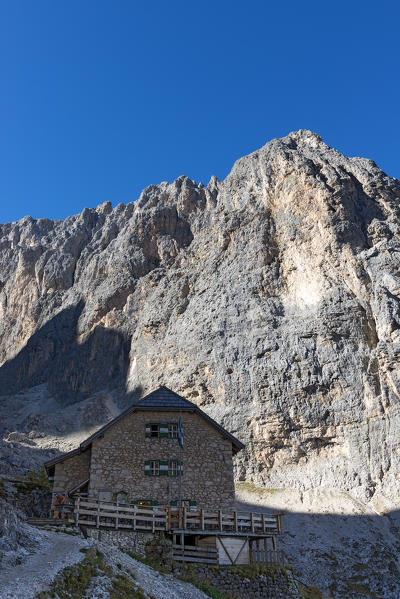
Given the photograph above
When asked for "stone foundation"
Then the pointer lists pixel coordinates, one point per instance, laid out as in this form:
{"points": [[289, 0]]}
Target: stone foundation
{"points": [[272, 583], [129, 541]]}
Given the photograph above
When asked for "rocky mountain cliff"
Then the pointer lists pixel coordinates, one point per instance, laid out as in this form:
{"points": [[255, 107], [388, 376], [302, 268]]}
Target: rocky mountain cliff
{"points": [[270, 299]]}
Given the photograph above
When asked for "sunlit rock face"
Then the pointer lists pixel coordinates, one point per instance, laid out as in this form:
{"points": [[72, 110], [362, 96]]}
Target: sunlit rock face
{"points": [[270, 299]]}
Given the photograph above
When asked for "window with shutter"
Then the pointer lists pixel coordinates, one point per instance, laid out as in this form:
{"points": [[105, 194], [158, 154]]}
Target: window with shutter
{"points": [[163, 468], [175, 468], [152, 468], [173, 430]]}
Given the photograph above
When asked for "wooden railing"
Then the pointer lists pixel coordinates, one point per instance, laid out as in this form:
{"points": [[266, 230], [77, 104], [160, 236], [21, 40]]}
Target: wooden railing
{"points": [[121, 516], [269, 556], [190, 553]]}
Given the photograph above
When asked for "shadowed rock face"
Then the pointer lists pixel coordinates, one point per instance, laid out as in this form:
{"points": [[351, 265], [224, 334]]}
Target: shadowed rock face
{"points": [[270, 299]]}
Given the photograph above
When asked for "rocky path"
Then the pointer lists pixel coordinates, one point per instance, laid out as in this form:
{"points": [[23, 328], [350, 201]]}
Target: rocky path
{"points": [[37, 571], [59, 550]]}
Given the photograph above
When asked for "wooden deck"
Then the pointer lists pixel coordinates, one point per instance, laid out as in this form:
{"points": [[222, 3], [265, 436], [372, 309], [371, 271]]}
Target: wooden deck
{"points": [[98, 514]]}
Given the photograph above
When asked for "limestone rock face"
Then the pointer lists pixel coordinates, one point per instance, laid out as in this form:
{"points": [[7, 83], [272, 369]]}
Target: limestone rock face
{"points": [[270, 299]]}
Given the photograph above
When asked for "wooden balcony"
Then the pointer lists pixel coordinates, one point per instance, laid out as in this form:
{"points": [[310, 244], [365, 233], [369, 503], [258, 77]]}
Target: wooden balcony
{"points": [[116, 516]]}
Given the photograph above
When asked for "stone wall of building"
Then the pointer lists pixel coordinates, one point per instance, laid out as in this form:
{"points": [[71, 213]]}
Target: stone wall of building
{"points": [[70, 472], [119, 457], [129, 541]]}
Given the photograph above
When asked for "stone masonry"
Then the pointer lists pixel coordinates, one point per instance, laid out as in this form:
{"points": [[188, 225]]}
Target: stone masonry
{"points": [[70, 472], [242, 583], [118, 461], [129, 541]]}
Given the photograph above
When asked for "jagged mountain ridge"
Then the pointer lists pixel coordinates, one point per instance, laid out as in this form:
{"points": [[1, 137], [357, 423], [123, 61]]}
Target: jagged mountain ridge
{"points": [[270, 299]]}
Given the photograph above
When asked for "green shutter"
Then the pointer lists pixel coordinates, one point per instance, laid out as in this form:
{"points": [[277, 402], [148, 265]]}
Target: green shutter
{"points": [[192, 503], [147, 467], [147, 430], [164, 431], [163, 467], [173, 503], [154, 502]]}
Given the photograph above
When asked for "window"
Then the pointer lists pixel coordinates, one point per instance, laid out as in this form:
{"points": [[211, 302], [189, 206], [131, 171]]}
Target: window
{"points": [[163, 467], [154, 430], [187, 503], [145, 502], [175, 467], [172, 430], [157, 430], [122, 497], [152, 468]]}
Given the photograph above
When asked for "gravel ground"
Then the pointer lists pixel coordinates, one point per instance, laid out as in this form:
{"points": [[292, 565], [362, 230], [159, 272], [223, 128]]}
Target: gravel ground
{"points": [[58, 550], [160, 586]]}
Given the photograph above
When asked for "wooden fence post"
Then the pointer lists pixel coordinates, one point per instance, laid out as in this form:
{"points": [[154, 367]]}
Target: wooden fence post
{"points": [[98, 515], [77, 512], [251, 522]]}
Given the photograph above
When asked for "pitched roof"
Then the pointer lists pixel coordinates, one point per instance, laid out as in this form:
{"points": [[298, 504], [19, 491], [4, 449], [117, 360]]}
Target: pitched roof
{"points": [[164, 400]]}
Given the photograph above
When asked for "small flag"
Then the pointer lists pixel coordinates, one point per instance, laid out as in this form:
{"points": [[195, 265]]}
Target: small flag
{"points": [[180, 432]]}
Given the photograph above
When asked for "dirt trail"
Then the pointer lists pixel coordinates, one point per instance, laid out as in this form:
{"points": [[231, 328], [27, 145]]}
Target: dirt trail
{"points": [[39, 569]]}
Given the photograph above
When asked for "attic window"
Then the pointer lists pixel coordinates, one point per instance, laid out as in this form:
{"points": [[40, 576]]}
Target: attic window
{"points": [[157, 430], [154, 430], [173, 430], [163, 468]]}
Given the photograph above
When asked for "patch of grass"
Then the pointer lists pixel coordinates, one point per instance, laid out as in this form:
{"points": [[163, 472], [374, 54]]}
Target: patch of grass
{"points": [[34, 480], [252, 571], [123, 589], [149, 562], [73, 581], [204, 586], [310, 592], [189, 575], [356, 587], [261, 491], [67, 531]]}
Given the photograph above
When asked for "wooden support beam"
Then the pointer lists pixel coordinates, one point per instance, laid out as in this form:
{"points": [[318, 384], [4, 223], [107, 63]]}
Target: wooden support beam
{"points": [[225, 549], [235, 524], [240, 551], [77, 511]]}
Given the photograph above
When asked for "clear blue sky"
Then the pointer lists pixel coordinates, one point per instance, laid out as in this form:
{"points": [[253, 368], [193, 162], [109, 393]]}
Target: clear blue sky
{"points": [[99, 99]]}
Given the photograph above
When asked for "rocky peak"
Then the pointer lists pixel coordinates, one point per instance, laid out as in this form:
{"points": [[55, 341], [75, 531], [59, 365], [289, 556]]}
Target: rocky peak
{"points": [[269, 298]]}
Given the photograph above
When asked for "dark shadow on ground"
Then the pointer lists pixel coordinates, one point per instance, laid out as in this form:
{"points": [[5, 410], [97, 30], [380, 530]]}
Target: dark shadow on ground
{"points": [[345, 556]]}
